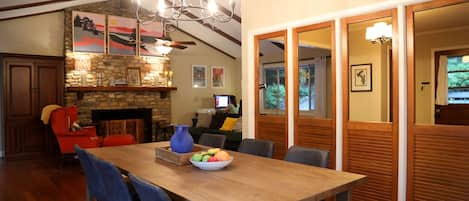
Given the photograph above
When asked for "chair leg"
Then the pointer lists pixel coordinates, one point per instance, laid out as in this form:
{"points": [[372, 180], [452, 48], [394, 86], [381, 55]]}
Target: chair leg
{"points": [[88, 195]]}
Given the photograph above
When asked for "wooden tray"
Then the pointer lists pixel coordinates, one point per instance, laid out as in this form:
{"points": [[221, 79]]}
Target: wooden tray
{"points": [[164, 153]]}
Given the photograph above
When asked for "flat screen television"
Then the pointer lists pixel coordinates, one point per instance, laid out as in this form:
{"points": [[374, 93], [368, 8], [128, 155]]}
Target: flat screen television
{"points": [[222, 101]]}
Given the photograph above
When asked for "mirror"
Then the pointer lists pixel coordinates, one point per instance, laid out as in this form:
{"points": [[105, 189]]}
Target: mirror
{"points": [[272, 66], [442, 65], [314, 73], [370, 64]]}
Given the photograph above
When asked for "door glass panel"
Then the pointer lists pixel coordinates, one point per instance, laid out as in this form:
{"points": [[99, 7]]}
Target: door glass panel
{"points": [[370, 61], [272, 92], [314, 73], [442, 65]]}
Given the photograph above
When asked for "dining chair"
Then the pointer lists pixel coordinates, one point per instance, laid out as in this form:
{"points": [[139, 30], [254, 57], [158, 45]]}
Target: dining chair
{"points": [[114, 185], [308, 156], [212, 140], [262, 148], [94, 183], [147, 191]]}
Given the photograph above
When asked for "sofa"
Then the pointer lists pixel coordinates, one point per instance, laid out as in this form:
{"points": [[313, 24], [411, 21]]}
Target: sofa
{"points": [[233, 138]]}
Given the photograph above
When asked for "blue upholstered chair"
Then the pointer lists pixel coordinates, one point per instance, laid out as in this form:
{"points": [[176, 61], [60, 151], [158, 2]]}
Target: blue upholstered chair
{"points": [[147, 191], [308, 156], [262, 148], [114, 185], [94, 183]]}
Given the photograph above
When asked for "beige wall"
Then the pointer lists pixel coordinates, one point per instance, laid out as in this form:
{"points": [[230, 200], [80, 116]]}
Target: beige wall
{"points": [[369, 106], [37, 35], [187, 100], [424, 67]]}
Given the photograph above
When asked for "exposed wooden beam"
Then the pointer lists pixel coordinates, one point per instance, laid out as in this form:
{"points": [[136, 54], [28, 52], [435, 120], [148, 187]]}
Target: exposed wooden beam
{"points": [[208, 44], [228, 12], [29, 5]]}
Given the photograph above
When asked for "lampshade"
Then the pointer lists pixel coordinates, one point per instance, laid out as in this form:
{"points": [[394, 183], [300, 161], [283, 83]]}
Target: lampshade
{"points": [[164, 50], [465, 59], [82, 63], [379, 32]]}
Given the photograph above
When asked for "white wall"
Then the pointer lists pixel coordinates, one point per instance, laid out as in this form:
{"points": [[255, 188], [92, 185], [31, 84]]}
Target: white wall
{"points": [[37, 35], [187, 100]]}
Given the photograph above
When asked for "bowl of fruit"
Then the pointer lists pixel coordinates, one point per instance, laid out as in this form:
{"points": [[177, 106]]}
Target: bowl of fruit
{"points": [[212, 159]]}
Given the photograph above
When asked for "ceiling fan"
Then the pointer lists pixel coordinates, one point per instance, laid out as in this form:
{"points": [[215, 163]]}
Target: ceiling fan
{"points": [[168, 42]]}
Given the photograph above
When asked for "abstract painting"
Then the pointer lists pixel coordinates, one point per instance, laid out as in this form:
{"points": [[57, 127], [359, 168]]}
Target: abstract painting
{"points": [[148, 35], [361, 79], [122, 36], [88, 32], [218, 77], [199, 76]]}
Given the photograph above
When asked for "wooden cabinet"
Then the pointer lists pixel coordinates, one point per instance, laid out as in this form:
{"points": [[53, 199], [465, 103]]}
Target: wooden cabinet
{"points": [[29, 83]]}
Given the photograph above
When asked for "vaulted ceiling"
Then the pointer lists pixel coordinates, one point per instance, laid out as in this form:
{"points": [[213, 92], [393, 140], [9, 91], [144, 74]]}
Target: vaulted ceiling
{"points": [[225, 37]]}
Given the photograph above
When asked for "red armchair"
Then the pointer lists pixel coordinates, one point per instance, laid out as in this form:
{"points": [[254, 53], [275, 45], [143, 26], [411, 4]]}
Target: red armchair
{"points": [[61, 120]]}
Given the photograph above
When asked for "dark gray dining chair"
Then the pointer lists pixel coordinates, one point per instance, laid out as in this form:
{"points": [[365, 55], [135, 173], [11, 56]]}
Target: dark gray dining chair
{"points": [[212, 140], [308, 156], [262, 148]]}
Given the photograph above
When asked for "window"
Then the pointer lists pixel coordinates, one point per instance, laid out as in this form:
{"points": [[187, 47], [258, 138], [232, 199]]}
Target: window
{"points": [[306, 90], [274, 98], [458, 79]]}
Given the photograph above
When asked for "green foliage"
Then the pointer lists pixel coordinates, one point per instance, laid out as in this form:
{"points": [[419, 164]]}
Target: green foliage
{"points": [[456, 78], [275, 96]]}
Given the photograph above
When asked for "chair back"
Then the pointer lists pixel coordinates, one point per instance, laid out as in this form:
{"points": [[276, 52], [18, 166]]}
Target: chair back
{"points": [[46, 111], [147, 191], [62, 118], [114, 185], [308, 156], [212, 140], [262, 148], [94, 182]]}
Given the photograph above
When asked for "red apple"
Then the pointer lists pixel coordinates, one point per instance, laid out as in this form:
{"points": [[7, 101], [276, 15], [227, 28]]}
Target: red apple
{"points": [[212, 159]]}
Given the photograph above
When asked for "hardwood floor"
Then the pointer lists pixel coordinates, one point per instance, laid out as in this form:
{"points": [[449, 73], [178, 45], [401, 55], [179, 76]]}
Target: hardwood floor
{"points": [[41, 180]]}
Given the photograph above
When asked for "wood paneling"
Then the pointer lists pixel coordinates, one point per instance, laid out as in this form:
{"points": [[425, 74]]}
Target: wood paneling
{"points": [[310, 131], [371, 148], [271, 127], [437, 155], [30, 82]]}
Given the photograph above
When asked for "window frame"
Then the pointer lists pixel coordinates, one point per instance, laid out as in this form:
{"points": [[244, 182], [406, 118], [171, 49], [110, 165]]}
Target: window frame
{"points": [[449, 53], [320, 88]]}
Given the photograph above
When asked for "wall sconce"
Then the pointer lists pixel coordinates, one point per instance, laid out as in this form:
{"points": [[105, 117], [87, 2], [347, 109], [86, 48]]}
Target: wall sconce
{"points": [[83, 65], [379, 33]]}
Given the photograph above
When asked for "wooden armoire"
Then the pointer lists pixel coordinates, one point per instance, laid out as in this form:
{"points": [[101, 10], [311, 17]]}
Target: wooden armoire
{"points": [[29, 83]]}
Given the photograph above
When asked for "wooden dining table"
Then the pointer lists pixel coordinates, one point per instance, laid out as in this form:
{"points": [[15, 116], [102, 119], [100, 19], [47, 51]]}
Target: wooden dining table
{"points": [[247, 178]]}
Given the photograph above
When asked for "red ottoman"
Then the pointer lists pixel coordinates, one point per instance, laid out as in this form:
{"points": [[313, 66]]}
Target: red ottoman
{"points": [[117, 140]]}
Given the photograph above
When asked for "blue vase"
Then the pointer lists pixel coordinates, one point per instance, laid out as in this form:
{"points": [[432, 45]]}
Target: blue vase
{"points": [[181, 141]]}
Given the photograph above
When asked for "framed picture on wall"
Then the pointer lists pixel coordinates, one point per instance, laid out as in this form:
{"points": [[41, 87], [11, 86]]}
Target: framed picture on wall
{"points": [[122, 36], [199, 76], [148, 35], [133, 77], [218, 77], [360, 78], [88, 32]]}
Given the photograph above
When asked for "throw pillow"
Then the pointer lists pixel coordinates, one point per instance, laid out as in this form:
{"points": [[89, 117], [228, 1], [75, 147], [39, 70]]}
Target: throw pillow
{"points": [[204, 119], [217, 120], [229, 124], [238, 127]]}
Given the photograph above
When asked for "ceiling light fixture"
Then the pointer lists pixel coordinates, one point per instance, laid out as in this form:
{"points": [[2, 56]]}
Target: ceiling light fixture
{"points": [[177, 9], [379, 33]]}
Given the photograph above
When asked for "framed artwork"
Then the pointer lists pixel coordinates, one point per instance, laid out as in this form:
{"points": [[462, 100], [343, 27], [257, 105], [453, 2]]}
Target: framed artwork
{"points": [[133, 77], [218, 77], [199, 76], [88, 32], [360, 78], [148, 35], [122, 36]]}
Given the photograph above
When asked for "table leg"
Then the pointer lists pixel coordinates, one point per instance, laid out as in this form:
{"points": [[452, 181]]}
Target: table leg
{"points": [[344, 196]]}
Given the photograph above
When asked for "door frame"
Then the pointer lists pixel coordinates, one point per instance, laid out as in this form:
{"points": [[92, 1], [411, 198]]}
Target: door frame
{"points": [[412, 126], [296, 112], [382, 126], [257, 38]]}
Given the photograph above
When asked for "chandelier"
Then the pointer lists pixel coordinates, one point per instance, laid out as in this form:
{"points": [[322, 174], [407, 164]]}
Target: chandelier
{"points": [[379, 33], [173, 11]]}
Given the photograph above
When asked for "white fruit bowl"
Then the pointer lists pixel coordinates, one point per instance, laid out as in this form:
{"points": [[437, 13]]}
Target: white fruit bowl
{"points": [[212, 165]]}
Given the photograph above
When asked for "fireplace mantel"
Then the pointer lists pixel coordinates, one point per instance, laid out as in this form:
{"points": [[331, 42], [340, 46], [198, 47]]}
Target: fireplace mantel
{"points": [[80, 90]]}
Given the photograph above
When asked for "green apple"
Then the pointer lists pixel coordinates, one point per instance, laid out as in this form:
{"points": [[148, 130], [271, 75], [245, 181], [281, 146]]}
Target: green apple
{"points": [[205, 158], [197, 157]]}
